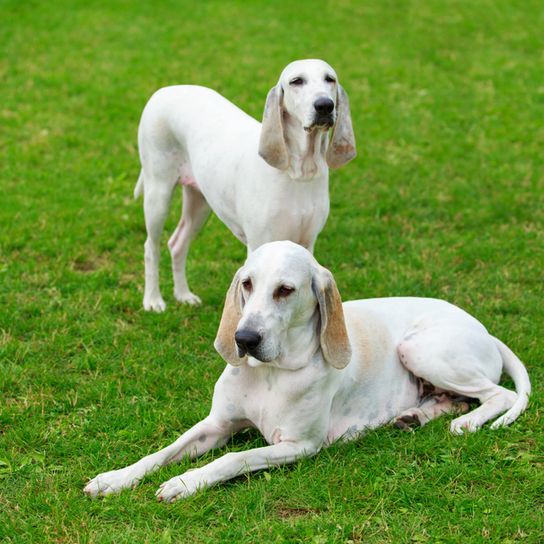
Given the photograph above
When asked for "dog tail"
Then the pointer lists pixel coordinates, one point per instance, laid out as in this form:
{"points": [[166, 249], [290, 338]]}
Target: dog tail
{"points": [[139, 185], [515, 369]]}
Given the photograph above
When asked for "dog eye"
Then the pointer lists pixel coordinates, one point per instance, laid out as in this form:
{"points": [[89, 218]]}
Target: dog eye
{"points": [[296, 81], [330, 79], [283, 291], [247, 285]]}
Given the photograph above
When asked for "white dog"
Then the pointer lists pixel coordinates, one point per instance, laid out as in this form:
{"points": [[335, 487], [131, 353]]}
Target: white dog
{"points": [[306, 371], [265, 182]]}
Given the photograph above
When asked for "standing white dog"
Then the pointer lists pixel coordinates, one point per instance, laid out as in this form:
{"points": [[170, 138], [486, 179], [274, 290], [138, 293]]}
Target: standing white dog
{"points": [[265, 182], [307, 371]]}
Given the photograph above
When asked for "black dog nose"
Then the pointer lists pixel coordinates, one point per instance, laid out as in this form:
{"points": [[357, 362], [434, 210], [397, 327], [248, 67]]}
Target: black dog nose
{"points": [[324, 105], [247, 340]]}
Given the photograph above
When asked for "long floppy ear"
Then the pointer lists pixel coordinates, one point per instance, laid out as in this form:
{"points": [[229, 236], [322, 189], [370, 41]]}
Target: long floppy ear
{"points": [[342, 145], [232, 312], [272, 145], [333, 334]]}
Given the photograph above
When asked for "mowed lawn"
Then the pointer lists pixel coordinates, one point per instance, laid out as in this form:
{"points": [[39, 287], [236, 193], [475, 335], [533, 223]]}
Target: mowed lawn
{"points": [[445, 199]]}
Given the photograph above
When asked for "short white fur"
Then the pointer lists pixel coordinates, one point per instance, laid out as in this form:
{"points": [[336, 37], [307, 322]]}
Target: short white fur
{"points": [[301, 401], [265, 182]]}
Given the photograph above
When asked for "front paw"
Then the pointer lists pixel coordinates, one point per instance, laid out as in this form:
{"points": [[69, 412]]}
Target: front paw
{"points": [[187, 297], [154, 303], [181, 487], [110, 482]]}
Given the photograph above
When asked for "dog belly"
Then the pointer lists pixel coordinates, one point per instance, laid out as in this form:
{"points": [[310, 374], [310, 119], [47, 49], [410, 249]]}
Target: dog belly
{"points": [[371, 406], [232, 225], [355, 420], [189, 181]]}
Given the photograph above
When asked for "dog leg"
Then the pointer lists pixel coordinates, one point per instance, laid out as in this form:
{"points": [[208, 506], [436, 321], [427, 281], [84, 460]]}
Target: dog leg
{"points": [[201, 438], [428, 410], [156, 203], [195, 211], [498, 401], [232, 465], [460, 360]]}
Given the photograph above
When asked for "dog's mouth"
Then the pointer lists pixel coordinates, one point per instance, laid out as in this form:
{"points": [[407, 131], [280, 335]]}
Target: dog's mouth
{"points": [[322, 122], [254, 353]]}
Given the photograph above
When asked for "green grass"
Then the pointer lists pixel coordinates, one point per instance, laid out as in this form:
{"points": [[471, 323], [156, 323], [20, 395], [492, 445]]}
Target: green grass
{"points": [[445, 199]]}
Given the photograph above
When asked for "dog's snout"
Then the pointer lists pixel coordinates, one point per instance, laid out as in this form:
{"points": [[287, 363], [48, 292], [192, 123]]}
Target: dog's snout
{"points": [[324, 106], [247, 340]]}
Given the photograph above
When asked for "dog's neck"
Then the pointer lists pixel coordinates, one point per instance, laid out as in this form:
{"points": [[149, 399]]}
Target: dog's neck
{"points": [[306, 150]]}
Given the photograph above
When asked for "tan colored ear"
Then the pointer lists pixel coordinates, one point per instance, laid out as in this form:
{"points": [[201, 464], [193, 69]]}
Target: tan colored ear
{"points": [[272, 145], [232, 312], [333, 334], [342, 145]]}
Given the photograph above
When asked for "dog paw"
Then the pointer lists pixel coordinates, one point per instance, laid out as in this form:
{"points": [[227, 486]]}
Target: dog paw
{"points": [[154, 304], [188, 298], [407, 422], [111, 482], [501, 422], [463, 425], [461, 407], [180, 487]]}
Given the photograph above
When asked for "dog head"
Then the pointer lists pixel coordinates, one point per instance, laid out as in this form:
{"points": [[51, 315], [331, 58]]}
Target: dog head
{"points": [[307, 94], [282, 308]]}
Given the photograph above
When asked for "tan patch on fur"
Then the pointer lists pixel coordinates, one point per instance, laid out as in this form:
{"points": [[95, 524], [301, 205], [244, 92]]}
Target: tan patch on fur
{"points": [[334, 335], [272, 145], [232, 313], [342, 146], [369, 340]]}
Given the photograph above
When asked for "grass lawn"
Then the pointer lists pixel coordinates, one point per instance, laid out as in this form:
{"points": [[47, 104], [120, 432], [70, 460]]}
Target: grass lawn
{"points": [[445, 200]]}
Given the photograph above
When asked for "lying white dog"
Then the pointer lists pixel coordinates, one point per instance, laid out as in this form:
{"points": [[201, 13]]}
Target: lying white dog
{"points": [[265, 182], [306, 371]]}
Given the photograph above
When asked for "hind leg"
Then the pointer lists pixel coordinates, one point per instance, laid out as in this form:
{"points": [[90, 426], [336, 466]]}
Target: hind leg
{"points": [[156, 203], [195, 211], [462, 360], [498, 401], [428, 410]]}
